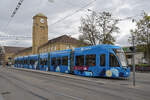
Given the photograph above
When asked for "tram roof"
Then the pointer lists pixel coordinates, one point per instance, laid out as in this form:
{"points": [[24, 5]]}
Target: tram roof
{"points": [[33, 55], [61, 51], [103, 46], [19, 57]]}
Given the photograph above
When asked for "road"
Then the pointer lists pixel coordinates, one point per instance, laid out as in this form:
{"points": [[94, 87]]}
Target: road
{"points": [[26, 85]]}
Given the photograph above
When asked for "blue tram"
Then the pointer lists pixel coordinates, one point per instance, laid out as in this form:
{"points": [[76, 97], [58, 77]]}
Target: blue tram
{"points": [[100, 60], [60, 61], [15, 62], [43, 61], [19, 62], [26, 62], [91, 61], [33, 61]]}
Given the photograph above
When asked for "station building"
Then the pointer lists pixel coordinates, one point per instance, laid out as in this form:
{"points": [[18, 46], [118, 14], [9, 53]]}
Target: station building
{"points": [[140, 56], [40, 42], [7, 52]]}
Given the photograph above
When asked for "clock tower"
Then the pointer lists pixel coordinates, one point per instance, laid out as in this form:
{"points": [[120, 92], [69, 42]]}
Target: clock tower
{"points": [[40, 32]]}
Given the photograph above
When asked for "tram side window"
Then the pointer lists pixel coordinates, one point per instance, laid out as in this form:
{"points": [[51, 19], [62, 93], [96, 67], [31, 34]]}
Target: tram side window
{"points": [[113, 62], [24, 61], [32, 62], [41, 62], [27, 61], [58, 61], [79, 60], [21, 62], [91, 60], [53, 61], [65, 61], [45, 61], [102, 60]]}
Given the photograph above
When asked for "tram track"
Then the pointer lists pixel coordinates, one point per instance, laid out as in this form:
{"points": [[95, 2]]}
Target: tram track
{"points": [[45, 86], [23, 87], [61, 82]]}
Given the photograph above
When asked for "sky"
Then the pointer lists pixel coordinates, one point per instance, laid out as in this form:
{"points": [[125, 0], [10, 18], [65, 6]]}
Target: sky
{"points": [[21, 24]]}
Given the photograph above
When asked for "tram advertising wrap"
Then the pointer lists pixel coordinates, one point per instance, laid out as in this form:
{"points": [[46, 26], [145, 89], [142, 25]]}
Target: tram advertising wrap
{"points": [[91, 61]]}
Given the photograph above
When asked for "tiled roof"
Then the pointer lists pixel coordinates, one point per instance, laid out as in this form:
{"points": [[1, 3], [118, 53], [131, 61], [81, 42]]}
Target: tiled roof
{"points": [[25, 49], [11, 49], [64, 39], [61, 39]]}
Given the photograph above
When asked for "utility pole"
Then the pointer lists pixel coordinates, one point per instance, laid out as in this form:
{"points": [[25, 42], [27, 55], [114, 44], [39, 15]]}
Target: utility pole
{"points": [[133, 58]]}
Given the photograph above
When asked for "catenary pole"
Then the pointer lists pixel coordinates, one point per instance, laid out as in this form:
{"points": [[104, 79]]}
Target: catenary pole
{"points": [[133, 59]]}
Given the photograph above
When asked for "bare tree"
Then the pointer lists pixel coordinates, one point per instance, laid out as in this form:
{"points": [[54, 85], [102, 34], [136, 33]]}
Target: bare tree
{"points": [[97, 28]]}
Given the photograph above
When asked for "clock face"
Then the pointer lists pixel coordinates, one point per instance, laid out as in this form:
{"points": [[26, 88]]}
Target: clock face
{"points": [[42, 20]]}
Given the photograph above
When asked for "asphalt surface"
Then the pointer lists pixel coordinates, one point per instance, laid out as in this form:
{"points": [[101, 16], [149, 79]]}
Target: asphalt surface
{"points": [[29, 85]]}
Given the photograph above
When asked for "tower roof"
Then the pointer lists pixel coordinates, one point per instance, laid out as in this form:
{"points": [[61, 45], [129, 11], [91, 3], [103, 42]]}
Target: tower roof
{"points": [[40, 14]]}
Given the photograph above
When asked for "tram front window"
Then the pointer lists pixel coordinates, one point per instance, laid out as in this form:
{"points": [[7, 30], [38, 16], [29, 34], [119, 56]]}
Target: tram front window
{"points": [[120, 54]]}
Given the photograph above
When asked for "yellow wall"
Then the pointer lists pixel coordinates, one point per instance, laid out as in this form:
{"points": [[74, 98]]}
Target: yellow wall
{"points": [[56, 46], [25, 53], [40, 37], [40, 32]]}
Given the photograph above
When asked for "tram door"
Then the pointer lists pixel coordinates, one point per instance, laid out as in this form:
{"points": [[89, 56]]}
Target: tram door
{"points": [[71, 62], [102, 64], [48, 61], [53, 64]]}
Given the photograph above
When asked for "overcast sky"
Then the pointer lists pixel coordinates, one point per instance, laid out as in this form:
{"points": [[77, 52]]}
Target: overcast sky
{"points": [[21, 24]]}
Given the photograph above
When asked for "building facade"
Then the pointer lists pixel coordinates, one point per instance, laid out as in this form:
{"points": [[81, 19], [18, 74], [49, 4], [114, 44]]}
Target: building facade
{"points": [[40, 42], [7, 53], [40, 32], [61, 43], [140, 57]]}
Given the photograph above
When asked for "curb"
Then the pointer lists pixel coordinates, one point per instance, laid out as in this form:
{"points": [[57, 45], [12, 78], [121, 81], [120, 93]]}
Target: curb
{"points": [[77, 77], [59, 74]]}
